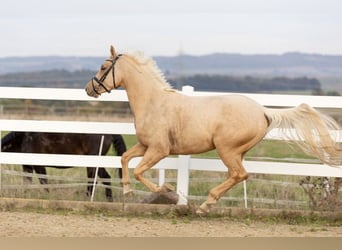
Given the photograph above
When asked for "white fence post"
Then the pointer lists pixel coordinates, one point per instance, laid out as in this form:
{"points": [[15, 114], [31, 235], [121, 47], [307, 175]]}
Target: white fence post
{"points": [[183, 175], [161, 177], [188, 90], [245, 193]]}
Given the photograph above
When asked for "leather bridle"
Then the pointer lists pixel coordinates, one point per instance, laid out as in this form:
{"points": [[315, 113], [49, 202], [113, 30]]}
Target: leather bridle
{"points": [[104, 76]]}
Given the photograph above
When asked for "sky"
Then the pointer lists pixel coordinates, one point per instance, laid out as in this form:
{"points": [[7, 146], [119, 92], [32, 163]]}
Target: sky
{"points": [[159, 27]]}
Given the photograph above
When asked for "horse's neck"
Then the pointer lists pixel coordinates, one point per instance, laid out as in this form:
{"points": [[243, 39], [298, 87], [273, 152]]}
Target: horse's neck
{"points": [[141, 99], [142, 90]]}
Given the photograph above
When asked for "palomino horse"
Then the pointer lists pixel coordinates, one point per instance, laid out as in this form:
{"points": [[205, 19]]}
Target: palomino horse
{"points": [[168, 122]]}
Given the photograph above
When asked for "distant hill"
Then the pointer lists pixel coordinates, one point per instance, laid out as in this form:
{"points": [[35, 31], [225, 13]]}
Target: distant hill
{"points": [[289, 64], [48, 78], [46, 63], [225, 72], [78, 78]]}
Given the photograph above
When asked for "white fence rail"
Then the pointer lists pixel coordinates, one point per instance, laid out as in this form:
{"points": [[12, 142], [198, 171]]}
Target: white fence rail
{"points": [[183, 164]]}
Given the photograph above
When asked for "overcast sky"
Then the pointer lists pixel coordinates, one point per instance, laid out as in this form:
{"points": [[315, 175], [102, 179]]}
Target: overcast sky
{"points": [[159, 27]]}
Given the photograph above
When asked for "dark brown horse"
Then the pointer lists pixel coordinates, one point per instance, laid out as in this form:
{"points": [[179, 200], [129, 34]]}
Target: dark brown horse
{"points": [[64, 143]]}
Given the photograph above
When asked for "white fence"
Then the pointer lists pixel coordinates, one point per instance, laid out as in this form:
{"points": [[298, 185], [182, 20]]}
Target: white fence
{"points": [[183, 164]]}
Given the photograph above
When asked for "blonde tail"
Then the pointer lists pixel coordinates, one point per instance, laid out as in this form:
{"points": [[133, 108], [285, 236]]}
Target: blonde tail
{"points": [[310, 130]]}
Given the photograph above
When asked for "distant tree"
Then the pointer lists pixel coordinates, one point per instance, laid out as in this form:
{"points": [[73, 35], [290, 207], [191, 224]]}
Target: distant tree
{"points": [[333, 93], [204, 82], [247, 83]]}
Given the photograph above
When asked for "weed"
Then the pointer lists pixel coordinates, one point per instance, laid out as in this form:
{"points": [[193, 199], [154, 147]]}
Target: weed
{"points": [[323, 192]]}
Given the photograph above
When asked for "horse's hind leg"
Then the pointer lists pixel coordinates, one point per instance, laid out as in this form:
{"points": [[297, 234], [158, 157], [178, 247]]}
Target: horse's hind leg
{"points": [[236, 174]]}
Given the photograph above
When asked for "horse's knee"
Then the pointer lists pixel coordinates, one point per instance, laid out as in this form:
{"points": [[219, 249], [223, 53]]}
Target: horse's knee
{"points": [[137, 174], [124, 158], [243, 176], [104, 174], [238, 176]]}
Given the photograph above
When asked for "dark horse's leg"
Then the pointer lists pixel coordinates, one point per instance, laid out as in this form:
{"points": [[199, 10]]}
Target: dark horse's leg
{"points": [[91, 175], [39, 170], [102, 173], [120, 148], [105, 175], [42, 179], [28, 169]]}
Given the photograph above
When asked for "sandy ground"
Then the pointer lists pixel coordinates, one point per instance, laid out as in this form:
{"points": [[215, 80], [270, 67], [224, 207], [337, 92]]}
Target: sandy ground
{"points": [[32, 224]]}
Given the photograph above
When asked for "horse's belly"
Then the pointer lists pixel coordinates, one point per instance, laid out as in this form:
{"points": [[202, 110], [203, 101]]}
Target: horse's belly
{"points": [[195, 149], [191, 144]]}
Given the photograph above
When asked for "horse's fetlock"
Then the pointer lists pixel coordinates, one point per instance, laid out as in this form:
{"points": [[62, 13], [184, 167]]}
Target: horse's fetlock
{"points": [[125, 182], [212, 198]]}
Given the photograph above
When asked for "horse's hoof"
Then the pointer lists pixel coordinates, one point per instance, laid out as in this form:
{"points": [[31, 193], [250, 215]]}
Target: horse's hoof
{"points": [[203, 210], [167, 187], [127, 189], [110, 199], [128, 193]]}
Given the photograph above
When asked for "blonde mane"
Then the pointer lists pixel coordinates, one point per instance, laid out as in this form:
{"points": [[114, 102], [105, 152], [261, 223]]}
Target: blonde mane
{"points": [[150, 66]]}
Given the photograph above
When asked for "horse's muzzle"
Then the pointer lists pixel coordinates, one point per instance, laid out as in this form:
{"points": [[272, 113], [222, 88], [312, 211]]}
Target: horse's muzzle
{"points": [[90, 91]]}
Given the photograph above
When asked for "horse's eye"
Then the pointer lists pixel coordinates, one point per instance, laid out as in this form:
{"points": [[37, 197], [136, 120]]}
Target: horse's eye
{"points": [[103, 67]]}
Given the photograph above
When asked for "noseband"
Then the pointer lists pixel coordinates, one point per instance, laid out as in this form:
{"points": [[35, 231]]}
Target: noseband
{"points": [[104, 76]]}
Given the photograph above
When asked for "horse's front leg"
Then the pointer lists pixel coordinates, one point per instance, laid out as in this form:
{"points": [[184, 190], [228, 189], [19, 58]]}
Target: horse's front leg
{"points": [[137, 150], [28, 169], [151, 157], [42, 178]]}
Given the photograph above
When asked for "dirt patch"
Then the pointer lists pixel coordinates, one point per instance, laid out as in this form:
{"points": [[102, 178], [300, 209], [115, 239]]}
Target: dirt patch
{"points": [[29, 224], [77, 219]]}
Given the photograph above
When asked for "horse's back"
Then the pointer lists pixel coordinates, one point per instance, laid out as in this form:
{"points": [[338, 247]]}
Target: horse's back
{"points": [[225, 109]]}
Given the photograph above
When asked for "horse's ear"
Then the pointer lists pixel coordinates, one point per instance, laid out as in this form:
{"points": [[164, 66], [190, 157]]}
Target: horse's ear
{"points": [[112, 51]]}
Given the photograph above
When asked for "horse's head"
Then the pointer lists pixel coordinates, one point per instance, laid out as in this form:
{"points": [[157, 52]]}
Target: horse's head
{"points": [[104, 80]]}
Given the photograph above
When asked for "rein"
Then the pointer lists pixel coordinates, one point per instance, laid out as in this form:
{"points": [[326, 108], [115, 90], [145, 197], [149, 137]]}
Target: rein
{"points": [[104, 76]]}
